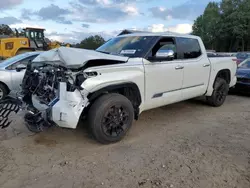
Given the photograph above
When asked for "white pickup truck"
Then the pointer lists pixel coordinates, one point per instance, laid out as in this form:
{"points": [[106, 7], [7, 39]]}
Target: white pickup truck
{"points": [[113, 84]]}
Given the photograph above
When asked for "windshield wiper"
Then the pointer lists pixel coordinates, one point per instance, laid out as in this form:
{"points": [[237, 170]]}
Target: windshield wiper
{"points": [[111, 53], [102, 52]]}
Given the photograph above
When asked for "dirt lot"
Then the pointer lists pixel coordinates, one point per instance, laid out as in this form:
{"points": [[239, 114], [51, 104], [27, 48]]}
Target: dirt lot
{"points": [[184, 145]]}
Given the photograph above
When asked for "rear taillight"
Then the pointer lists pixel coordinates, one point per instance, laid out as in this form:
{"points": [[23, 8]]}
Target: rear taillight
{"points": [[237, 61]]}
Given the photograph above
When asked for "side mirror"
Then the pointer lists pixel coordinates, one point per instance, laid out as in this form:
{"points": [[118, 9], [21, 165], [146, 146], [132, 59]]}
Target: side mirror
{"points": [[165, 55], [20, 67]]}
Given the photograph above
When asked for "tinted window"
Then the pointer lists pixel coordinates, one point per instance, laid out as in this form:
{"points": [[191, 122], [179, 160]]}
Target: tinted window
{"points": [[14, 58], [23, 62], [164, 45], [169, 46], [131, 46], [189, 48]]}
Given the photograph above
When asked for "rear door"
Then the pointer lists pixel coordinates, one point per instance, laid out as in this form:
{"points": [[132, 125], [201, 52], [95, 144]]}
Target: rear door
{"points": [[196, 67]]}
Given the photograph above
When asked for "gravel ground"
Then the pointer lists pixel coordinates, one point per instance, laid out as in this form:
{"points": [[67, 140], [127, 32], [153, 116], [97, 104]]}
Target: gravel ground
{"points": [[182, 145]]}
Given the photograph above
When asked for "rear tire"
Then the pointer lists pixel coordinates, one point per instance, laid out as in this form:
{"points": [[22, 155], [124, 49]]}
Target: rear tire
{"points": [[220, 93], [110, 117], [3, 91]]}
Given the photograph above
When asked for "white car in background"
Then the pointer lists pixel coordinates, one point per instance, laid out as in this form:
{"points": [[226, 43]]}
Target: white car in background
{"points": [[12, 71]]}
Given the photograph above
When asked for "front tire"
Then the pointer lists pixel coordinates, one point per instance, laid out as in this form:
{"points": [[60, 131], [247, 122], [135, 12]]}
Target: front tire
{"points": [[220, 93], [110, 117]]}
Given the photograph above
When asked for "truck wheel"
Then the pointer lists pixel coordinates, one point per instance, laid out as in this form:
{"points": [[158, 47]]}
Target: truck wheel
{"points": [[110, 117], [3, 91], [220, 93]]}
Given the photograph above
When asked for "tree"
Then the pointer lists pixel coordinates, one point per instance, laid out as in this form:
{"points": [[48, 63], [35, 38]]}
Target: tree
{"points": [[92, 42], [225, 26], [5, 30], [206, 25]]}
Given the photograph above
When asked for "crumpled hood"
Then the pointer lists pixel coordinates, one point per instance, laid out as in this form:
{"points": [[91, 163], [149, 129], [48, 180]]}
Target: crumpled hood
{"points": [[74, 57], [243, 72]]}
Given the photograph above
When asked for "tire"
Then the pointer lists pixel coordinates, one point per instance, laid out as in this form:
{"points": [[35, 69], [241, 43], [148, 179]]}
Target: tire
{"points": [[110, 117], [3, 91], [220, 93]]}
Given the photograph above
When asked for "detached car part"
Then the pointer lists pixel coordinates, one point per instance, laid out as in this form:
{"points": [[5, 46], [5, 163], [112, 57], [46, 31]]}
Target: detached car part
{"points": [[8, 108]]}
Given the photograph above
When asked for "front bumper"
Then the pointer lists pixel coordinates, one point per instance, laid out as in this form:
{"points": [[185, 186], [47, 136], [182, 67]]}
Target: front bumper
{"points": [[66, 110]]}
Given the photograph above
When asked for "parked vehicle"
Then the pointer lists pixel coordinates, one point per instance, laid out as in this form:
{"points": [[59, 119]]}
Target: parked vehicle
{"points": [[114, 84], [241, 56], [211, 54], [12, 71], [243, 77], [31, 39]]}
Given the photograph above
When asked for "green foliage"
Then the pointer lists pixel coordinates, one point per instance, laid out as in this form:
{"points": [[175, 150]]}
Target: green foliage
{"points": [[92, 42], [225, 26], [5, 30]]}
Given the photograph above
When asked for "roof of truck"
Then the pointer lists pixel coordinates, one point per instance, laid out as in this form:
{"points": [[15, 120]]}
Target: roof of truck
{"points": [[167, 34]]}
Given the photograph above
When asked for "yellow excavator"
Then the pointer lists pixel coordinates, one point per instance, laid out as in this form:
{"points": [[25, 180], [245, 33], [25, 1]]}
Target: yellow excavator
{"points": [[31, 39]]}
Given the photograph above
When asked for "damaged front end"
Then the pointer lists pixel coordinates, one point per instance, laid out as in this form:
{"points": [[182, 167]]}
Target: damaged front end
{"points": [[51, 94], [52, 90]]}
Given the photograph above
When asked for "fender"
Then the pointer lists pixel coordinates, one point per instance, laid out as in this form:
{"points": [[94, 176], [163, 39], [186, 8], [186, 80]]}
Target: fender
{"points": [[221, 67], [129, 89], [113, 78], [131, 85]]}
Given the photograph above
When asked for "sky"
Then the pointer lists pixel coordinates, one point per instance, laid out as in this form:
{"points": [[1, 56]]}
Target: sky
{"points": [[73, 20]]}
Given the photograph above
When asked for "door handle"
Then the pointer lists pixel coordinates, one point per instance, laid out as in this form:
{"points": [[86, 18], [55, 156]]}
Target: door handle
{"points": [[179, 67], [206, 65]]}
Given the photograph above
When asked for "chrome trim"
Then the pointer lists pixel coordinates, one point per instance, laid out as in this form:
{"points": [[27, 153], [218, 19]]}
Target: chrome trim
{"points": [[161, 94]]}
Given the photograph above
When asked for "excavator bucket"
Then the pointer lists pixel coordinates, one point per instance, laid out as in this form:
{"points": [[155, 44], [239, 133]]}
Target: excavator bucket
{"points": [[9, 108]]}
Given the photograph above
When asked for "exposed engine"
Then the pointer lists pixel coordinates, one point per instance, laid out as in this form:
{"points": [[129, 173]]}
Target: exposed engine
{"points": [[52, 92], [43, 82]]}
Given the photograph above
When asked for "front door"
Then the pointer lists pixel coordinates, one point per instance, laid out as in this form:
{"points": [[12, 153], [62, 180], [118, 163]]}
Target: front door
{"points": [[163, 78]]}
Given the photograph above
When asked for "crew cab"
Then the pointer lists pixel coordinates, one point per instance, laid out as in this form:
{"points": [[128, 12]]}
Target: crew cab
{"points": [[112, 85]]}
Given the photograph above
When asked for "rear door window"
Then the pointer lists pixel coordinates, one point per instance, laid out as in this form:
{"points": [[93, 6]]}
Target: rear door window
{"points": [[189, 48]]}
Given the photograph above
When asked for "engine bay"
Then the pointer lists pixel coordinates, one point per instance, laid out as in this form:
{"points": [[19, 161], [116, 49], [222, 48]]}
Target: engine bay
{"points": [[43, 82]]}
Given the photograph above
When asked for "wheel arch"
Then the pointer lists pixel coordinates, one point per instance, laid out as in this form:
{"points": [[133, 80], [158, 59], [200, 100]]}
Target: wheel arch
{"points": [[128, 89], [225, 74], [6, 86]]}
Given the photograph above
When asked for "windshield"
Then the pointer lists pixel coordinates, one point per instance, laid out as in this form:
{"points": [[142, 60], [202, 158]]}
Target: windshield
{"points": [[130, 46], [245, 64], [13, 59]]}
